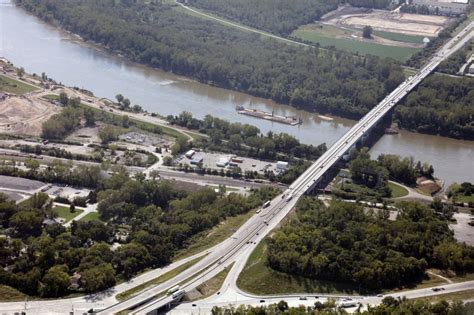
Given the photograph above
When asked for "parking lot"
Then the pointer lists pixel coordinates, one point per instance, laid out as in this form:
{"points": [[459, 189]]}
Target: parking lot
{"points": [[66, 191], [146, 139], [210, 160]]}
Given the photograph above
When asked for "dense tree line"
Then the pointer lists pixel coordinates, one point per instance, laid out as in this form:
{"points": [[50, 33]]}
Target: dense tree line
{"points": [[389, 306], [157, 35], [454, 63], [275, 16], [376, 4], [245, 139], [149, 220], [344, 243], [369, 178], [56, 172], [278, 16], [440, 105]]}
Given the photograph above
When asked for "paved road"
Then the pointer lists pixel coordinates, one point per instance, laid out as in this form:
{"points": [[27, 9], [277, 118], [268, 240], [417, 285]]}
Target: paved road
{"points": [[280, 206], [242, 27], [238, 247]]}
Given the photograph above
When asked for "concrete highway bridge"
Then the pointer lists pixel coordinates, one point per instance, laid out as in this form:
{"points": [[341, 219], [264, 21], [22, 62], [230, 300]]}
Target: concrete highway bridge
{"points": [[235, 250]]}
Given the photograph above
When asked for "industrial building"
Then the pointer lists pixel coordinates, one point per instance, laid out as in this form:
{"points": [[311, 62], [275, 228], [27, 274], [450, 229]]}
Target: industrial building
{"points": [[443, 7]]}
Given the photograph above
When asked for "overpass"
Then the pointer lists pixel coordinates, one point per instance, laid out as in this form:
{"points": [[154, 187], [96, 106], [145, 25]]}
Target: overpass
{"points": [[237, 247], [311, 177], [241, 244]]}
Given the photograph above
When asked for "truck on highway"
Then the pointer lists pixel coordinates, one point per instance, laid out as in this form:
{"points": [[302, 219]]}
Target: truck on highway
{"points": [[178, 294], [266, 204], [173, 290]]}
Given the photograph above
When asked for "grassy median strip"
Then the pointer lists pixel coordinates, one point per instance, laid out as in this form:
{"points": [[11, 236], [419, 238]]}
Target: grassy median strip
{"points": [[164, 277], [213, 285], [217, 235]]}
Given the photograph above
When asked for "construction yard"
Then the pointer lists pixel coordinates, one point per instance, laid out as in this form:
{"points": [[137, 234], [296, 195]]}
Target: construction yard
{"points": [[24, 115]]}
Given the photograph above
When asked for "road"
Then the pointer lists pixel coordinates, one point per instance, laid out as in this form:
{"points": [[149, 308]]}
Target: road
{"points": [[164, 172], [239, 26], [309, 179], [239, 246], [281, 206]]}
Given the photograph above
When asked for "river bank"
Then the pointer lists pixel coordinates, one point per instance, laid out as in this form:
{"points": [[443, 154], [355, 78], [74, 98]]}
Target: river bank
{"points": [[39, 47]]}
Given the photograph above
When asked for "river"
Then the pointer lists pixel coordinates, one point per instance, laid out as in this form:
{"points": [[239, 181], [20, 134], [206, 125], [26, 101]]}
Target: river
{"points": [[28, 42]]}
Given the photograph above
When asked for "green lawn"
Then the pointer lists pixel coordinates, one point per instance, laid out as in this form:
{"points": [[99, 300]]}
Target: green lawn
{"points": [[93, 216], [400, 37], [397, 190], [164, 277], [218, 234], [9, 85], [259, 279], [326, 36], [462, 198], [65, 213]]}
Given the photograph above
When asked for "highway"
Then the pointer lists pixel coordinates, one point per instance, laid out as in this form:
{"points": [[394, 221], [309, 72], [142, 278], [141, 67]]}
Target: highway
{"points": [[239, 246], [260, 225]]}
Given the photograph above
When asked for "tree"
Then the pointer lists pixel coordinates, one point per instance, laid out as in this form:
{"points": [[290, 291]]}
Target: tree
{"points": [[125, 121], [367, 31], [108, 134], [154, 174], [32, 164], [72, 208], [90, 117], [126, 103], [20, 72], [63, 98], [119, 98], [27, 222], [55, 282], [98, 278]]}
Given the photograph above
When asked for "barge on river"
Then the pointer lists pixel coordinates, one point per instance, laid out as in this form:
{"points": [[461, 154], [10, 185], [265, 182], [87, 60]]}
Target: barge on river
{"points": [[289, 120]]}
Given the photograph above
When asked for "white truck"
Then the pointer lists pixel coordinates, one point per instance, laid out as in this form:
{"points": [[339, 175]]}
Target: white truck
{"points": [[173, 289]]}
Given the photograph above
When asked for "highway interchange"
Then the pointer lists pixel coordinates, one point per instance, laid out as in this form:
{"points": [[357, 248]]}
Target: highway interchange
{"points": [[236, 249]]}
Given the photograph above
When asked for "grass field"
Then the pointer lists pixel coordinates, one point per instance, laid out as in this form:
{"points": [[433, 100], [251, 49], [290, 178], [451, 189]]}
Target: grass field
{"points": [[212, 285], [9, 294], [218, 234], [397, 190], [259, 279], [9, 85], [65, 213], [164, 277], [326, 36], [400, 37], [93, 216], [462, 198]]}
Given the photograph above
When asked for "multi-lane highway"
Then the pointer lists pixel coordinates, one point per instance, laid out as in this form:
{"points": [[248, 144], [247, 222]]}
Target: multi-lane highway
{"points": [[262, 224], [238, 247]]}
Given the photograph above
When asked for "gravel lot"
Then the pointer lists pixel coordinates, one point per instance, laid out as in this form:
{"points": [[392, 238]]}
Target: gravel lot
{"points": [[22, 184]]}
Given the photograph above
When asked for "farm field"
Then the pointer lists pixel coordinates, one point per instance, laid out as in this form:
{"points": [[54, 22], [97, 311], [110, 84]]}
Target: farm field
{"points": [[349, 40]]}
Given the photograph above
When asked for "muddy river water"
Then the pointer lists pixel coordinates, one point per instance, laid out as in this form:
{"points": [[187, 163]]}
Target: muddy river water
{"points": [[28, 42]]}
